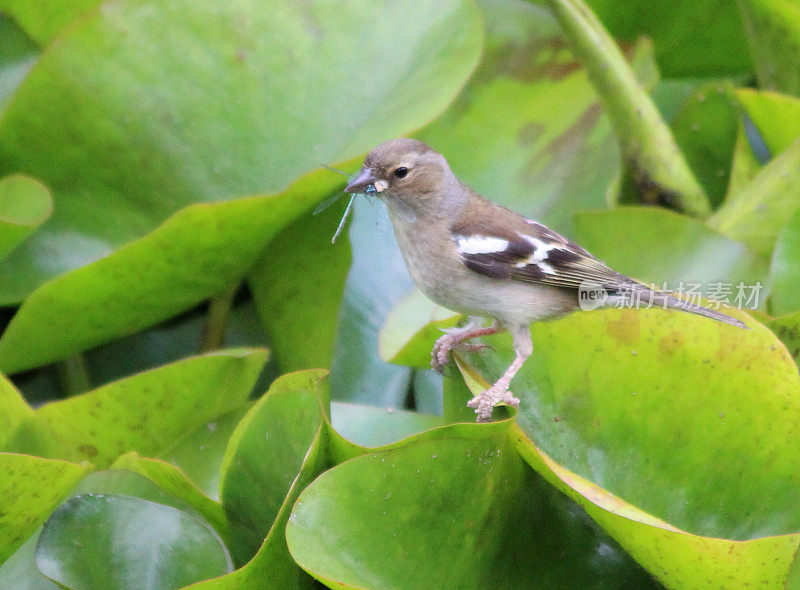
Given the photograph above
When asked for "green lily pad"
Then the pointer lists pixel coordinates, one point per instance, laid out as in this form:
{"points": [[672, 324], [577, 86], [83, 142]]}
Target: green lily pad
{"points": [[196, 254], [260, 462], [452, 509], [173, 481], [108, 541], [297, 286], [199, 454], [265, 453], [675, 378], [24, 205], [267, 95], [147, 412], [29, 489], [773, 31]]}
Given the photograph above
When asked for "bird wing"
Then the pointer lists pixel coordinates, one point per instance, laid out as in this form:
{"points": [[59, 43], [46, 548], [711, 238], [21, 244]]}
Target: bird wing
{"points": [[500, 244]]}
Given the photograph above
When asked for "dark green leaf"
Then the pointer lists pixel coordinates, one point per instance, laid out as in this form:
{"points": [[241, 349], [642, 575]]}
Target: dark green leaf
{"points": [[454, 509], [265, 453], [670, 381], [119, 542]]}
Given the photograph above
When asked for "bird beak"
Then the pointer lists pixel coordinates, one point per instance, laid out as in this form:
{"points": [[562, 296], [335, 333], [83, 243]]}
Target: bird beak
{"points": [[362, 182]]}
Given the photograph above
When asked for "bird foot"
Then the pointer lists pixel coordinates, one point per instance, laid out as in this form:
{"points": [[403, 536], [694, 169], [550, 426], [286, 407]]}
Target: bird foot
{"points": [[440, 355], [484, 403]]}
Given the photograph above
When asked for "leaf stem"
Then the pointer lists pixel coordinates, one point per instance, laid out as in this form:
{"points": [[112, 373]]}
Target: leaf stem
{"points": [[647, 143], [216, 324]]}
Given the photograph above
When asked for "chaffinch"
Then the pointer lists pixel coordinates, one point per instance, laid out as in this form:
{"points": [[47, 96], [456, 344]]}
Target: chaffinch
{"points": [[480, 259]]}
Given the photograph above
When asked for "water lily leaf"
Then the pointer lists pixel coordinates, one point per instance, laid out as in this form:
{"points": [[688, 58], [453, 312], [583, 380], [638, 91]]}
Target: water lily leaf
{"points": [[297, 286], [24, 205], [607, 428], [785, 269], [265, 453], [173, 481], [147, 412], [756, 213], [648, 146], [773, 32], [29, 489], [775, 116], [198, 253], [685, 46], [108, 541], [158, 131], [371, 522], [199, 454], [274, 479], [687, 251]]}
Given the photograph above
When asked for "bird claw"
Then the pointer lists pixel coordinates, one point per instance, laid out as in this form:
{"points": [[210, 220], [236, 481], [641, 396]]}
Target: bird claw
{"points": [[451, 341], [484, 403]]}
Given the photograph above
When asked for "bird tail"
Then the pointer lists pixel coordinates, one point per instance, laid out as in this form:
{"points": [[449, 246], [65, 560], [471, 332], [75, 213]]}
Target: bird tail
{"points": [[638, 294]]}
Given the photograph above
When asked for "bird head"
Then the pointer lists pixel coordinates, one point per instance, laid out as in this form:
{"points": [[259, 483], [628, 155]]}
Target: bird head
{"points": [[405, 173]]}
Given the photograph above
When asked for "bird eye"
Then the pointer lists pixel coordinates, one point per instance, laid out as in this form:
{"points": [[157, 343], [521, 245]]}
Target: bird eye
{"points": [[401, 172]]}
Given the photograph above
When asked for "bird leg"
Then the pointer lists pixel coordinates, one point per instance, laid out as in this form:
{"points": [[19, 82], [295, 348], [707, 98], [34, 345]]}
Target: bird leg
{"points": [[455, 338], [497, 393]]}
